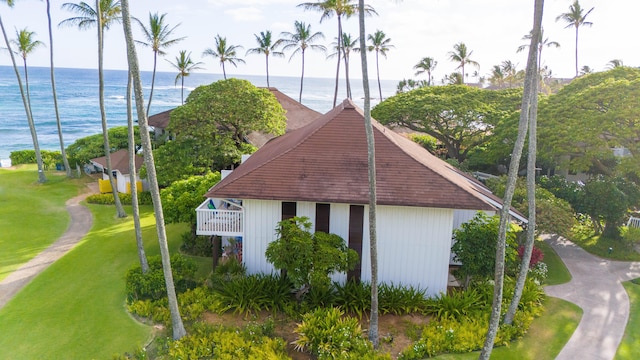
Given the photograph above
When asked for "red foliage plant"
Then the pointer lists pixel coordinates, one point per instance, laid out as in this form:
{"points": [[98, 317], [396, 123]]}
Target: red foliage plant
{"points": [[536, 255]]}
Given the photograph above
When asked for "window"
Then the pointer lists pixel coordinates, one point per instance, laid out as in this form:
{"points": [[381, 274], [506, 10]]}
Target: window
{"points": [[322, 217], [288, 210]]}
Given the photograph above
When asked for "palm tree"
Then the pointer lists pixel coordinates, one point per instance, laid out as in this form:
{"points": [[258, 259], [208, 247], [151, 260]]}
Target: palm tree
{"points": [[348, 46], [497, 78], [463, 56], [32, 127], [339, 8], [544, 42], [576, 17], [63, 152], [185, 66], [176, 320], [528, 109], [157, 38], [584, 70], [224, 53], [380, 43], [299, 40], [25, 45], [106, 13], [266, 46], [427, 65], [614, 64]]}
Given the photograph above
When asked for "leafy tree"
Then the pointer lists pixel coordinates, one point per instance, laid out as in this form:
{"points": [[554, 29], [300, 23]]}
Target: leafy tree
{"points": [[90, 147], [266, 46], [181, 198], [426, 65], [606, 201], [299, 40], [308, 258], [185, 66], [157, 37], [462, 55], [575, 17], [224, 53], [459, 117], [381, 44]]}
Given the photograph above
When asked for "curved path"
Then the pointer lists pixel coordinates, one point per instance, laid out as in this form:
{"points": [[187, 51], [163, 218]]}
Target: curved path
{"points": [[79, 226], [595, 287]]}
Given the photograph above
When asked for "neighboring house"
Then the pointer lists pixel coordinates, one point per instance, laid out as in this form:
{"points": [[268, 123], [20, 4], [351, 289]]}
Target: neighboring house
{"points": [[120, 169], [297, 116], [320, 171]]}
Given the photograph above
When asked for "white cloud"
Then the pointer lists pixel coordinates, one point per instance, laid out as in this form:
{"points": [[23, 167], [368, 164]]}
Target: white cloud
{"points": [[245, 14]]}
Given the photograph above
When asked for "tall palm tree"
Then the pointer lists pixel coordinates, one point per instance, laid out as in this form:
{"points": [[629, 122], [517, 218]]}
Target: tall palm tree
{"points": [[185, 66], [339, 9], [544, 42], [224, 53], [575, 17], [25, 45], [462, 55], [299, 40], [63, 152], [345, 50], [427, 64], [528, 108], [371, 162], [381, 44], [614, 64], [105, 14], [266, 46], [176, 320], [32, 127], [497, 78], [157, 37], [584, 70]]}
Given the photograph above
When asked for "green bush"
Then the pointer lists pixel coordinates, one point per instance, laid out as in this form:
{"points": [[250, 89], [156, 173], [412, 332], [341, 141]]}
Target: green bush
{"points": [[328, 334], [229, 269], [631, 235], [152, 285], [144, 198], [458, 304], [49, 158], [400, 300], [253, 293], [198, 246], [354, 297]]}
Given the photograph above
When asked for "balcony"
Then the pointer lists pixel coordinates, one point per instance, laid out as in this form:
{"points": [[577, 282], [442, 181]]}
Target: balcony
{"points": [[220, 217]]}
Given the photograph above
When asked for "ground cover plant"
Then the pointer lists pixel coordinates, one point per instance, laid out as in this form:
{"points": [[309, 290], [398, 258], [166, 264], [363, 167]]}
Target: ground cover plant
{"points": [[26, 221], [629, 346]]}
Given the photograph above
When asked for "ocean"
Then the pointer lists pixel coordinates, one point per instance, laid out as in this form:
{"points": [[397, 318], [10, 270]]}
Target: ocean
{"points": [[78, 101]]}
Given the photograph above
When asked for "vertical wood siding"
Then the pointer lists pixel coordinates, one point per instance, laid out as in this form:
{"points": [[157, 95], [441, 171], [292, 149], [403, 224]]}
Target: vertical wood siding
{"points": [[261, 218]]}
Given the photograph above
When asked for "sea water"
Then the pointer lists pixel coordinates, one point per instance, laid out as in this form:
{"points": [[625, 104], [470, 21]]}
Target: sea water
{"points": [[78, 101]]}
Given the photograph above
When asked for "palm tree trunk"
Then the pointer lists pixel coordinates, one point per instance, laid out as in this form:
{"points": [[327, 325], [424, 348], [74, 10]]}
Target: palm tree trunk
{"points": [[182, 89], [531, 75], [373, 237], [224, 72], [576, 50], [32, 127], [65, 160], [267, 63], [378, 73], [176, 320], [133, 177], [105, 130], [153, 80], [26, 84], [302, 79], [335, 92], [346, 75]]}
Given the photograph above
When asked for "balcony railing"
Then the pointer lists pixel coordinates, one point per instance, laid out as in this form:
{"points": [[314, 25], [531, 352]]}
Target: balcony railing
{"points": [[227, 221]]}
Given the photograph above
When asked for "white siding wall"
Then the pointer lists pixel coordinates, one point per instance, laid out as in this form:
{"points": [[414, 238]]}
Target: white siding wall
{"points": [[308, 209], [339, 225], [261, 218]]}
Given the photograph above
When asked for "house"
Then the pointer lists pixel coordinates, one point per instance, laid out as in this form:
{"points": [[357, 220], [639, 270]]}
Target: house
{"points": [[120, 170], [320, 171], [297, 116]]}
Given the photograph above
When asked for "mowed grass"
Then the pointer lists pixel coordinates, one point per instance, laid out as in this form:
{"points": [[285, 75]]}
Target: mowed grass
{"points": [[76, 308], [32, 215], [630, 344], [557, 270], [599, 246], [546, 337]]}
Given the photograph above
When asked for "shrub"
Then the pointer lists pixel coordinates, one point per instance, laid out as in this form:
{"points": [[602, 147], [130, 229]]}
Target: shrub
{"points": [[253, 293], [536, 255], [228, 269], [400, 300], [152, 285], [198, 246], [328, 334], [144, 198], [354, 297], [458, 304], [49, 158]]}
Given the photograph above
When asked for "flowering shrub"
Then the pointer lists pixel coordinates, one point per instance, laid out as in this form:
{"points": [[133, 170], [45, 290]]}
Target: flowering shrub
{"points": [[536, 255]]}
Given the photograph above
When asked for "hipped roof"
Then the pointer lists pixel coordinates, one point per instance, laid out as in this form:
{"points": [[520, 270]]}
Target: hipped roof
{"points": [[326, 161], [160, 120], [120, 161]]}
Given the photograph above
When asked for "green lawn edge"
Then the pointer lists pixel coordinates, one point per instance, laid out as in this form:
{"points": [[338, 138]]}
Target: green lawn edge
{"points": [[630, 343]]}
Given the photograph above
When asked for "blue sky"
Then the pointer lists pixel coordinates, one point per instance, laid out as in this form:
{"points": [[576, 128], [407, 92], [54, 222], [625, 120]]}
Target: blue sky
{"points": [[492, 29]]}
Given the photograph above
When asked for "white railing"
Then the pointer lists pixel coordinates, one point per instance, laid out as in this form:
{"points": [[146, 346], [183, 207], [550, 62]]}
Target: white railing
{"points": [[634, 222], [221, 222]]}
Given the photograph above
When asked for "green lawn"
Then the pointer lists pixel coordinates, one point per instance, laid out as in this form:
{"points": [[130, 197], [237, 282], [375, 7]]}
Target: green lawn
{"points": [[628, 348], [599, 246], [75, 309], [32, 215], [557, 270]]}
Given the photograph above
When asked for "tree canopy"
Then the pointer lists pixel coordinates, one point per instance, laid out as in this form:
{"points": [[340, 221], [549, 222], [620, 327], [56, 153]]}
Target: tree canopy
{"points": [[91, 147], [460, 117]]}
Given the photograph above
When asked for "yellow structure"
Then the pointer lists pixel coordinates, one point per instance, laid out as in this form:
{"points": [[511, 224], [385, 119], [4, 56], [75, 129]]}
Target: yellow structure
{"points": [[104, 186], [138, 187]]}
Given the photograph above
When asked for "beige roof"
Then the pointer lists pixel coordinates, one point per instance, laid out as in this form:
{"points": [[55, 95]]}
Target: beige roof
{"points": [[119, 161], [326, 161]]}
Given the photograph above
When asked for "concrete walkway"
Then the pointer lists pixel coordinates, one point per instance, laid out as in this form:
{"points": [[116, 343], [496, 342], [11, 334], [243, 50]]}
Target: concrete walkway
{"points": [[595, 287], [81, 222]]}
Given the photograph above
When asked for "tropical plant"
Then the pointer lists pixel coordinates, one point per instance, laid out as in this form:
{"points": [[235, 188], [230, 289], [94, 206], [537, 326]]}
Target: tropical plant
{"points": [[544, 42], [299, 40], [32, 127], [585, 70], [25, 44], [224, 53], [462, 55], [426, 65], [156, 37], [106, 13], [185, 66], [339, 8], [614, 64], [575, 17], [348, 45], [381, 44], [132, 59], [266, 46]]}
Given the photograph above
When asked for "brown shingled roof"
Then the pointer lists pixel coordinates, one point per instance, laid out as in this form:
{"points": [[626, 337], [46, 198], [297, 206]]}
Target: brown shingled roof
{"points": [[326, 161], [120, 161], [160, 120]]}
